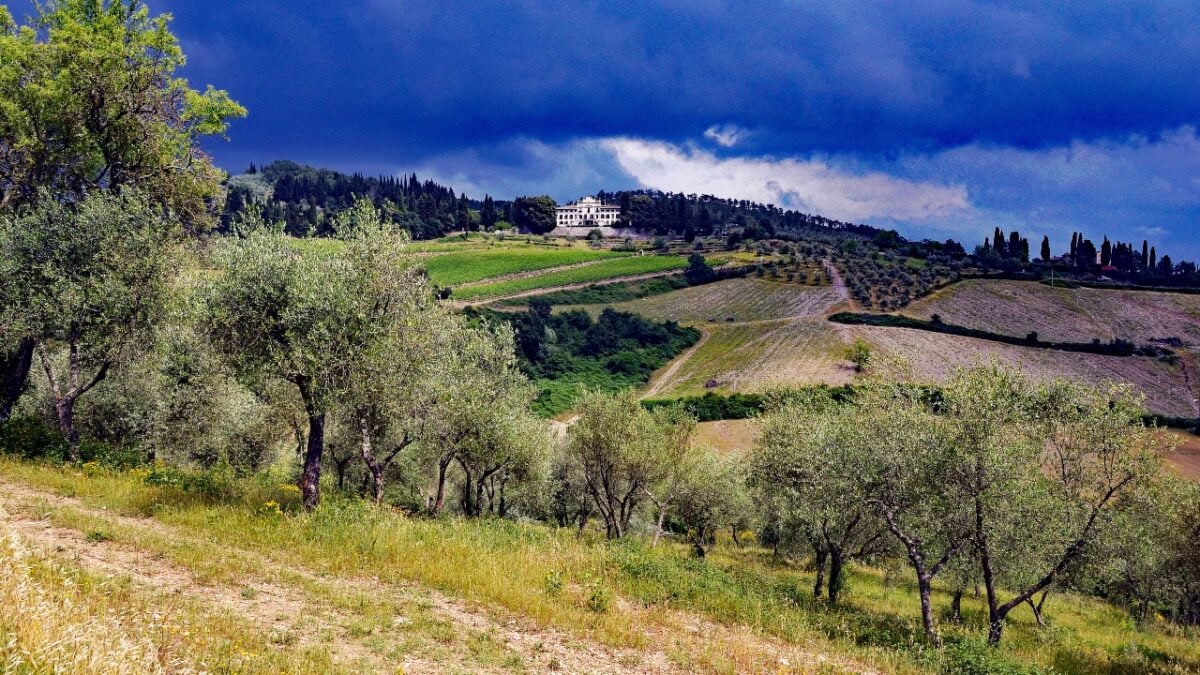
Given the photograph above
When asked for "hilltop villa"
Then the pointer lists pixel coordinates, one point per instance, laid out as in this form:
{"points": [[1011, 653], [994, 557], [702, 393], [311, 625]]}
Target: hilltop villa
{"points": [[587, 212]]}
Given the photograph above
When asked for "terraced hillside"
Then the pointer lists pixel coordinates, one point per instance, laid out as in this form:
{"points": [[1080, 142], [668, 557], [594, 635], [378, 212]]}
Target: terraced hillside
{"points": [[752, 356]]}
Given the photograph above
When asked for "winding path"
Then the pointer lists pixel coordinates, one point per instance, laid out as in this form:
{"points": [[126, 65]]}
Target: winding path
{"points": [[656, 383]]}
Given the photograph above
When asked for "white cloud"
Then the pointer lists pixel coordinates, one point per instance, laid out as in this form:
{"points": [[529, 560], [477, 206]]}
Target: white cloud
{"points": [[809, 185], [725, 135]]}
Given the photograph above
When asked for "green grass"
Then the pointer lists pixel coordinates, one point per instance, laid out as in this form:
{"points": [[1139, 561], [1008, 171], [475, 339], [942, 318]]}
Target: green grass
{"points": [[626, 594], [597, 294], [465, 266], [604, 270]]}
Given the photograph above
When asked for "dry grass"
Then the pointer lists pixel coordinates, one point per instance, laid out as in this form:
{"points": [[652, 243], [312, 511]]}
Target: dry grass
{"points": [[734, 437], [60, 617], [748, 357], [50, 624]]}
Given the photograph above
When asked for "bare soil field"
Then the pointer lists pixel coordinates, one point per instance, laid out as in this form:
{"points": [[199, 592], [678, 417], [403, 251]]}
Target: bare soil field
{"points": [[1186, 459], [760, 334], [1073, 315]]}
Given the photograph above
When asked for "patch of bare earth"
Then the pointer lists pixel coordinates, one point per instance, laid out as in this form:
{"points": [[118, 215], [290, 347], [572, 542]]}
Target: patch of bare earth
{"points": [[1185, 459], [291, 609], [733, 437]]}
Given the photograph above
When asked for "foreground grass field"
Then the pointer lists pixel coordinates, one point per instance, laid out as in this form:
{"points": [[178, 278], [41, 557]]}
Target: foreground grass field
{"points": [[356, 587]]}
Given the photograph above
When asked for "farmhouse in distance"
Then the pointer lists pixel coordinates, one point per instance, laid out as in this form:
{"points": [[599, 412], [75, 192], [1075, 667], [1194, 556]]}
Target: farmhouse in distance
{"points": [[587, 212]]}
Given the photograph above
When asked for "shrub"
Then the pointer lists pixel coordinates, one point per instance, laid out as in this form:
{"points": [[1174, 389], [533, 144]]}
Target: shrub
{"points": [[31, 438]]}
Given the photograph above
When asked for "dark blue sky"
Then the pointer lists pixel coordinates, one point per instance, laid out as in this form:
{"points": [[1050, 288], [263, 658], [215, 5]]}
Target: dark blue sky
{"points": [[944, 118]]}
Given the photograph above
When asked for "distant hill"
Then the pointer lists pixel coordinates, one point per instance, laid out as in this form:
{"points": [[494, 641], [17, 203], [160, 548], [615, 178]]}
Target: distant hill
{"points": [[306, 198]]}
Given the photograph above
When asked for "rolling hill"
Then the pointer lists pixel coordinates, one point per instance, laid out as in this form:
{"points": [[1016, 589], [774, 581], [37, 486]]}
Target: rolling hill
{"points": [[760, 334]]}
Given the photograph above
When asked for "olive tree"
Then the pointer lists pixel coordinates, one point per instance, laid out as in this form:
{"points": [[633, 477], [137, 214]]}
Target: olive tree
{"points": [[680, 463], [91, 282], [483, 424], [892, 452], [1042, 468], [796, 469], [389, 384], [279, 313], [616, 445], [712, 496], [90, 101]]}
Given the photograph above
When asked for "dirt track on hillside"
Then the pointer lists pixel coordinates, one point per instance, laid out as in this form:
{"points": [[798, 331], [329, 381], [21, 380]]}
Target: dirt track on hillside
{"points": [[282, 598]]}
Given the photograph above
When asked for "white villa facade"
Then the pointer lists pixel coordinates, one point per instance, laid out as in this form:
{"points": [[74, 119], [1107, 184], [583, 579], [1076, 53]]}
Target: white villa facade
{"points": [[587, 212]]}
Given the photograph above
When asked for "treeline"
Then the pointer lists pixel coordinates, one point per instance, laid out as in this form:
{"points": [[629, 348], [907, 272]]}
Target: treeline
{"points": [[1123, 261], [306, 199], [1117, 347], [691, 215]]}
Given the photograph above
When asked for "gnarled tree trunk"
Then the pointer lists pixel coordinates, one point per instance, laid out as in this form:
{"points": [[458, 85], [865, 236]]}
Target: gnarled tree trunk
{"points": [[66, 394]]}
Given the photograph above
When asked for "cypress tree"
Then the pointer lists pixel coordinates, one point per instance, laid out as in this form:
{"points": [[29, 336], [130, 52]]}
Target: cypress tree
{"points": [[1045, 248]]}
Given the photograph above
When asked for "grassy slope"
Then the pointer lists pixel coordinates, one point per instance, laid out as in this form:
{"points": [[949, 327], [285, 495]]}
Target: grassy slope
{"points": [[465, 266], [604, 270], [747, 357], [739, 611]]}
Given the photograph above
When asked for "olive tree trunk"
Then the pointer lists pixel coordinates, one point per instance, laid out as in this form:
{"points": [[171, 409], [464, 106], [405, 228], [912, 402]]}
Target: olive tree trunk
{"points": [[65, 394]]}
